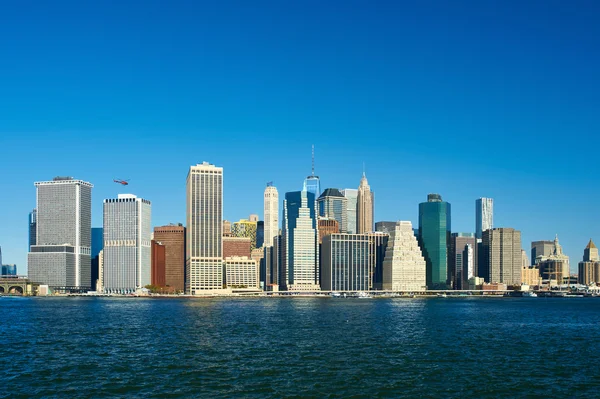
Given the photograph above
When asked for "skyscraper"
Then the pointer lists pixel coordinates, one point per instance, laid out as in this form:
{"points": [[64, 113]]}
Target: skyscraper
{"points": [[351, 195], [364, 207], [271, 213], [204, 260], [61, 256], [172, 236], [32, 227], [404, 266], [589, 268], [502, 256], [300, 242], [312, 183], [332, 204], [461, 268], [555, 266], [434, 233], [385, 227], [127, 244], [346, 264], [484, 215], [97, 245], [158, 256]]}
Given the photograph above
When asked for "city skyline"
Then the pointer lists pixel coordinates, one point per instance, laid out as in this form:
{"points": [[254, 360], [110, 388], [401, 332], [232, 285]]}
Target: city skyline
{"points": [[177, 85]]}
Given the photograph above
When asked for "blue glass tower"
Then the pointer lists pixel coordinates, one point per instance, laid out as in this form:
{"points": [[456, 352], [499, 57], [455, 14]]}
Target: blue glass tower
{"points": [[312, 183], [434, 235]]}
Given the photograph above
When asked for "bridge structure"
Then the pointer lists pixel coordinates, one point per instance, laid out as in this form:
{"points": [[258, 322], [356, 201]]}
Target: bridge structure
{"points": [[17, 285]]}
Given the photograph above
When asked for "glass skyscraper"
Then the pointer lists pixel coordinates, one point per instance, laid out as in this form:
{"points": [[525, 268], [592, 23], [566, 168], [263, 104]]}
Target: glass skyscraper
{"points": [[484, 216], [332, 204], [351, 195], [434, 234]]}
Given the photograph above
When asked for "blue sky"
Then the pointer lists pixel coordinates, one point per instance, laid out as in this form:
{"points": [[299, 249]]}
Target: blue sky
{"points": [[462, 98]]}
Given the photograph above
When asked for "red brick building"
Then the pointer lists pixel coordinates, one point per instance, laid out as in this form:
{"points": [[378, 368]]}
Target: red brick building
{"points": [[173, 239]]}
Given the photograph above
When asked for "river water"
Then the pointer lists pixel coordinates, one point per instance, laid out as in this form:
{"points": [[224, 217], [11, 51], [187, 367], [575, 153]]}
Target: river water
{"points": [[299, 347]]}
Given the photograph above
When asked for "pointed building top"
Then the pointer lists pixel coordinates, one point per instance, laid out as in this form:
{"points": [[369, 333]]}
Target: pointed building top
{"points": [[591, 245]]}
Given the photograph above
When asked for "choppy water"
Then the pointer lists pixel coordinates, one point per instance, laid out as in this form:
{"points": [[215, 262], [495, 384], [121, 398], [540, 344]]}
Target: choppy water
{"points": [[299, 347]]}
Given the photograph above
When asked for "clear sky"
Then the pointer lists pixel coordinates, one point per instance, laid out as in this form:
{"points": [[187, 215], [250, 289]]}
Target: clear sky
{"points": [[464, 98]]}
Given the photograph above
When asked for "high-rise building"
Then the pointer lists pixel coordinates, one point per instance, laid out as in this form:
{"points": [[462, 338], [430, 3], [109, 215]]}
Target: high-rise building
{"points": [[460, 267], [60, 257], [502, 256], [253, 218], [589, 268], [404, 266], [351, 195], [484, 215], [555, 266], [541, 248], [345, 263], [204, 262], [127, 244], [326, 227], [158, 255], [312, 183], [172, 236], [385, 227], [333, 205], [300, 242], [97, 245], [271, 264], [434, 234], [245, 228], [271, 214], [378, 242], [365, 202], [524, 258], [32, 227]]}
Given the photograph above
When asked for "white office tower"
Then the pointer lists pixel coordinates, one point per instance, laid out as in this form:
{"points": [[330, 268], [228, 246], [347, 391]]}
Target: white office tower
{"points": [[61, 256], [404, 264], [484, 216], [351, 195], [127, 239], [271, 214], [204, 221]]}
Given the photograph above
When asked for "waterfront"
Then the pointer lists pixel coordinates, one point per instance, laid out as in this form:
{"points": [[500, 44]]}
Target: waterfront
{"points": [[299, 347]]}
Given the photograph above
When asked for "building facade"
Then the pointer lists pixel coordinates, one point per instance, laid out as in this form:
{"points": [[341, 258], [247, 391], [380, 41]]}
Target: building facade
{"points": [[241, 272], [326, 227], [300, 242], [434, 235], [237, 246], [385, 227], [484, 216], [351, 195], [502, 256], [271, 214], [404, 267], [365, 206], [244, 228], [345, 263], [541, 248], [8, 270], [461, 264], [32, 219], [127, 244], [333, 205], [589, 268], [61, 256], [97, 245], [172, 236], [158, 258], [555, 266], [204, 245]]}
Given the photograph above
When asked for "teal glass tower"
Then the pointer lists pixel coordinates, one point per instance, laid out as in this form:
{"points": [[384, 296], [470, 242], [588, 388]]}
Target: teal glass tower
{"points": [[434, 237]]}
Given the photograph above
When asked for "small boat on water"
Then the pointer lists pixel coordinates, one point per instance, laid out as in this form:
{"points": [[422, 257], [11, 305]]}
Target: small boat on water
{"points": [[529, 294], [335, 295], [363, 295], [442, 295]]}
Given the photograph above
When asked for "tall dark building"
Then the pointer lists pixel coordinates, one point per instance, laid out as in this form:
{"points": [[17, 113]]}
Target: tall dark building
{"points": [[173, 238], [158, 260], [260, 233], [385, 227], [434, 235], [97, 246], [541, 248], [32, 228]]}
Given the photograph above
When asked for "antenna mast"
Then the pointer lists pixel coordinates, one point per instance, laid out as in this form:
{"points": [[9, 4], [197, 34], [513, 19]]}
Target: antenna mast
{"points": [[313, 159]]}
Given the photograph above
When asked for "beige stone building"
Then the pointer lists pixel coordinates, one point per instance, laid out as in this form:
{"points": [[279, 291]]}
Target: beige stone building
{"points": [[404, 265], [241, 272], [364, 207]]}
